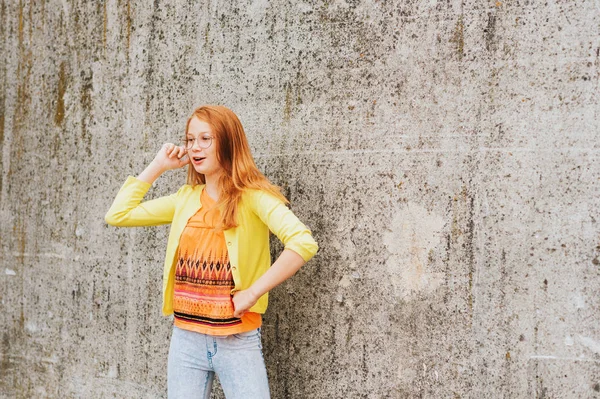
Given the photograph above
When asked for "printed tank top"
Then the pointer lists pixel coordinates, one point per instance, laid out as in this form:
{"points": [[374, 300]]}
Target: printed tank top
{"points": [[203, 280]]}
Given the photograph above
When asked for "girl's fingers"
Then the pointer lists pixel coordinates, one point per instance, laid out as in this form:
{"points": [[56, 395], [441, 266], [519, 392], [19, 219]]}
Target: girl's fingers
{"points": [[174, 151], [185, 160]]}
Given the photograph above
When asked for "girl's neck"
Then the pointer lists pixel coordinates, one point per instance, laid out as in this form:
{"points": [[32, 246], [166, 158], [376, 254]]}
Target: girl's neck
{"points": [[212, 186]]}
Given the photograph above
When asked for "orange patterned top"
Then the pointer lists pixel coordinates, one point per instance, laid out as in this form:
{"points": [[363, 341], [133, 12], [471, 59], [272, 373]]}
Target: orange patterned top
{"points": [[203, 281]]}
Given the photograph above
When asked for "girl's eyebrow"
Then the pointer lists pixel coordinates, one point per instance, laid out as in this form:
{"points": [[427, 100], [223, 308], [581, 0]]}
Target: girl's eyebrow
{"points": [[191, 134]]}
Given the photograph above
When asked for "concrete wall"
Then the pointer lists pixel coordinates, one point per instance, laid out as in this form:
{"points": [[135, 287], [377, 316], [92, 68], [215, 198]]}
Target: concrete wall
{"points": [[445, 154]]}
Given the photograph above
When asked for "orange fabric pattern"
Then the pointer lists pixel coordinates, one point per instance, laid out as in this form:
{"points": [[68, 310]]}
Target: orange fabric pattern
{"points": [[203, 280]]}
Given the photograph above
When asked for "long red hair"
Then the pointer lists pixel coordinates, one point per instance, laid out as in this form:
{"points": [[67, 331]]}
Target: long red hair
{"points": [[234, 156]]}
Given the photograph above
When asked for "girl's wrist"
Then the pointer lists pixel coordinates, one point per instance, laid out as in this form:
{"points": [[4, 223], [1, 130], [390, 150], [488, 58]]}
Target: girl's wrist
{"points": [[152, 172], [254, 293], [156, 166]]}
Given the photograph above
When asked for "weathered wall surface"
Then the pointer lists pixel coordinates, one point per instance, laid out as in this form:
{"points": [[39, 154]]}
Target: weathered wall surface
{"points": [[445, 154]]}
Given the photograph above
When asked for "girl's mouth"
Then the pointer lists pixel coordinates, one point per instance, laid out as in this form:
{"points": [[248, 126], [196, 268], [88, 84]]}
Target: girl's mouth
{"points": [[197, 160]]}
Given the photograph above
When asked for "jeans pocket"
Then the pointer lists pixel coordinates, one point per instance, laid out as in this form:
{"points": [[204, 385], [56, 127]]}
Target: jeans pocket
{"points": [[247, 335]]}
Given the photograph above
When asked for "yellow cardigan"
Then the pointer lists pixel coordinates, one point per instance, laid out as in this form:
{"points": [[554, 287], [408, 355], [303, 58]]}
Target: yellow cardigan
{"points": [[247, 244]]}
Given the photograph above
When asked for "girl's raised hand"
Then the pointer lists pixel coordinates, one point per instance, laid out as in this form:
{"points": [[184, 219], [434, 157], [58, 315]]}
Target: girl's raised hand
{"points": [[171, 156]]}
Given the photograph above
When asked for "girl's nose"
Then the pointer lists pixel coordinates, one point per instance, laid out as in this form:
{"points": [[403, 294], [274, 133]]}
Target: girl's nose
{"points": [[196, 146]]}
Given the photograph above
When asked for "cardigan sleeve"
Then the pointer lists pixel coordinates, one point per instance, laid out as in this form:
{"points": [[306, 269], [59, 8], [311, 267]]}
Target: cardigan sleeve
{"points": [[284, 224], [128, 210]]}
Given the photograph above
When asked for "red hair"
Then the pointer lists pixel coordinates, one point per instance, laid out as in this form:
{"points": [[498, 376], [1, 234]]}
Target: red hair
{"points": [[234, 156]]}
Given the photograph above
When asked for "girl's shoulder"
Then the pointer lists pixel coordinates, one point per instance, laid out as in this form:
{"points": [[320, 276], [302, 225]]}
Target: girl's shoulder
{"points": [[255, 197], [188, 189], [251, 194]]}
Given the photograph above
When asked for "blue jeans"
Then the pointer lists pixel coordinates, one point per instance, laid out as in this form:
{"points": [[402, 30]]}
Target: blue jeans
{"points": [[237, 359]]}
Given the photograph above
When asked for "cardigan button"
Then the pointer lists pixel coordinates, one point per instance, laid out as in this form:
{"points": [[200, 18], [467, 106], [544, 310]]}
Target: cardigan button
{"points": [[229, 243], [233, 268]]}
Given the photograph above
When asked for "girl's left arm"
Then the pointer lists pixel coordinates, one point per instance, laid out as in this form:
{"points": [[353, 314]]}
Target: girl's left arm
{"points": [[288, 263], [300, 247], [128, 210]]}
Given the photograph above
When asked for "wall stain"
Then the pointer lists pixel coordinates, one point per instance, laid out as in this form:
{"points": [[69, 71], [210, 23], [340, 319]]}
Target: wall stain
{"points": [[20, 28], [2, 106], [470, 200], [86, 105], [5, 364], [490, 32], [59, 116], [31, 20], [19, 232], [104, 26], [458, 38], [152, 37], [128, 27], [2, 95], [462, 237], [349, 321], [23, 100], [43, 11], [287, 110]]}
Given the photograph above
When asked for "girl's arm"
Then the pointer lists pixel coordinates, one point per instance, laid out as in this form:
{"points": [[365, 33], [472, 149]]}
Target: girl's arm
{"points": [[151, 173], [288, 263], [128, 210], [299, 248]]}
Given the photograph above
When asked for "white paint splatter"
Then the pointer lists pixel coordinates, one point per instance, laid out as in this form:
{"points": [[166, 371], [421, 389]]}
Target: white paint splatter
{"points": [[578, 301], [113, 372], [10, 272], [31, 327], [79, 231], [569, 340], [345, 281], [414, 232]]}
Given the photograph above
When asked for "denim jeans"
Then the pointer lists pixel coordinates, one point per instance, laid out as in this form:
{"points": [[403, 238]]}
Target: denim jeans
{"points": [[237, 359]]}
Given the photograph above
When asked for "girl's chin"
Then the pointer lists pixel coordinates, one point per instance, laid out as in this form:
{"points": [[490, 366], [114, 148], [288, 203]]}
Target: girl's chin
{"points": [[204, 171]]}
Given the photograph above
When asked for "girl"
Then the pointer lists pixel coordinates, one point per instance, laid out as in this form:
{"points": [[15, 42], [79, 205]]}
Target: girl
{"points": [[217, 270]]}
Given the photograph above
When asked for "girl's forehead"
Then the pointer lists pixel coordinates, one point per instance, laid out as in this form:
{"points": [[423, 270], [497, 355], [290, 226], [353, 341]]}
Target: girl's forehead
{"points": [[198, 126]]}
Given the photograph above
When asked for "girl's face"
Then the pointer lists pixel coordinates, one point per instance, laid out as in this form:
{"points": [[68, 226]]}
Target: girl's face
{"points": [[203, 159]]}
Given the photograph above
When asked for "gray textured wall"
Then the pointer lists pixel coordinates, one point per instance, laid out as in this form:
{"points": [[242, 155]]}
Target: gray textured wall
{"points": [[445, 154]]}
